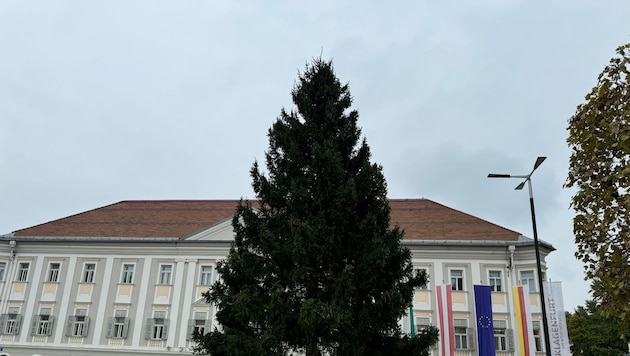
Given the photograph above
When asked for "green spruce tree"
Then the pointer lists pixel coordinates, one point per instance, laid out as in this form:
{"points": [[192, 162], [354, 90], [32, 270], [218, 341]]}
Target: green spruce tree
{"points": [[315, 266]]}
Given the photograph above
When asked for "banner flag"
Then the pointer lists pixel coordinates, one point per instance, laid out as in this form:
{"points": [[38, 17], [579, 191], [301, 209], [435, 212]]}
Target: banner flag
{"points": [[556, 321], [445, 315], [524, 321], [485, 326], [412, 321]]}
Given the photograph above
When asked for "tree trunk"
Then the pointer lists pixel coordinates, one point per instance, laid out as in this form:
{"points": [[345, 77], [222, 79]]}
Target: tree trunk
{"points": [[311, 347]]}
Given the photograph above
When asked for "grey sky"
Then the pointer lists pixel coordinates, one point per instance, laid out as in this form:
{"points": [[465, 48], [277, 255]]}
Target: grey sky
{"points": [[116, 100]]}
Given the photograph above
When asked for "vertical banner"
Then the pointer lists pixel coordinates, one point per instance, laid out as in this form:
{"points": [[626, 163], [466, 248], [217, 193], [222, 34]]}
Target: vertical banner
{"points": [[412, 321], [556, 321], [525, 337], [445, 315], [485, 326]]}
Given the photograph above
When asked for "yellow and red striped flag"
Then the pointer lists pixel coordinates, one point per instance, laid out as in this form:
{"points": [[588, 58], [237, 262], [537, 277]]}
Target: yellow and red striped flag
{"points": [[524, 326]]}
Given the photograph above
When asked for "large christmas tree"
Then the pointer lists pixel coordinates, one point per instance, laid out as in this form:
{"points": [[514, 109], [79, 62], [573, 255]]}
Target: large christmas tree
{"points": [[315, 267]]}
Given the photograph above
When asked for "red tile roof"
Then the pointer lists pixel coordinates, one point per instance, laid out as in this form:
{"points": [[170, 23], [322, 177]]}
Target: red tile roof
{"points": [[422, 219], [139, 218]]}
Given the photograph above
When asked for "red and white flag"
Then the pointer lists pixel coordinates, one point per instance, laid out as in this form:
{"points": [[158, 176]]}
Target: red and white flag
{"points": [[445, 315]]}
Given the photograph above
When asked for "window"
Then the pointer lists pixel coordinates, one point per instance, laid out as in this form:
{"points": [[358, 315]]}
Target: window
{"points": [[88, 272], [206, 276], [157, 326], [495, 281], [418, 271], [10, 322], [127, 274], [43, 323], [461, 341], [165, 274], [200, 324], [53, 272], [500, 335], [22, 275], [527, 279], [457, 279], [118, 326], [3, 267], [537, 337], [422, 323], [464, 336], [78, 324]]}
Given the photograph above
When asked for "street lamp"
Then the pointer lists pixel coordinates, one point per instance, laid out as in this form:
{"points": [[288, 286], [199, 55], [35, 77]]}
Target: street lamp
{"points": [[528, 180]]}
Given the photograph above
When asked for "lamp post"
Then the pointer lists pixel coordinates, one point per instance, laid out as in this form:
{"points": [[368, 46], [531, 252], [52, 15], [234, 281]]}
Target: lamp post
{"points": [[528, 180]]}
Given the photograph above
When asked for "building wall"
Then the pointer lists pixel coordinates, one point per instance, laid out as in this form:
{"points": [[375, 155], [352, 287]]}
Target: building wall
{"points": [[476, 264], [179, 299]]}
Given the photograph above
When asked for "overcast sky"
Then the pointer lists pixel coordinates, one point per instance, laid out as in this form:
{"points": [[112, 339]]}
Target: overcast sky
{"points": [[103, 101]]}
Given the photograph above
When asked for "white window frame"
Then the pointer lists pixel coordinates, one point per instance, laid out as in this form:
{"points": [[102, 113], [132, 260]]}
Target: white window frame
{"points": [[22, 272], [465, 336], [10, 322], [43, 323], [495, 282], [127, 273], [457, 282], [3, 269], [205, 275], [78, 324], [157, 327], [537, 336], [529, 281], [166, 272], [54, 269], [199, 323], [461, 337], [88, 273], [118, 325], [500, 335]]}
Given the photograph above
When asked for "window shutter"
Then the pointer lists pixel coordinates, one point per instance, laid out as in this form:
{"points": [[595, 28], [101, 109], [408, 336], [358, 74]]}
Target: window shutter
{"points": [[149, 329], [3, 323], [499, 324], [110, 326], [207, 326], [34, 325], [18, 323], [86, 325], [472, 338], [51, 324], [69, 325], [165, 333], [509, 335], [126, 328], [460, 322], [191, 328]]}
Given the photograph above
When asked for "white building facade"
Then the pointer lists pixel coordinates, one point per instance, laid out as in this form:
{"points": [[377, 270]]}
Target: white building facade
{"points": [[127, 279]]}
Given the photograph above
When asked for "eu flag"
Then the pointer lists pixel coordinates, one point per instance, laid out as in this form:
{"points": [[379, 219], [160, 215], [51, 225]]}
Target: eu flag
{"points": [[485, 328]]}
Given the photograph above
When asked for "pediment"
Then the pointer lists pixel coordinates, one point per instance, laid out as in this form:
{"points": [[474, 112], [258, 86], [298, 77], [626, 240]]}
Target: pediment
{"points": [[221, 231]]}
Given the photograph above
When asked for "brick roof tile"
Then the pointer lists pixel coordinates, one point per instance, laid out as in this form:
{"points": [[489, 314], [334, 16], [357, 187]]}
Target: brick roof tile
{"points": [[422, 219]]}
